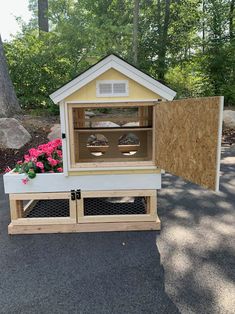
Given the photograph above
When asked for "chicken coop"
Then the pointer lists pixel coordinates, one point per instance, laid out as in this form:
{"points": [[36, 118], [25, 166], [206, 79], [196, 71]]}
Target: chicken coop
{"points": [[121, 130]]}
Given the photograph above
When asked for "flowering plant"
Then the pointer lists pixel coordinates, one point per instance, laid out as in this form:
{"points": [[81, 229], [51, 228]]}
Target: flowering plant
{"points": [[44, 158]]}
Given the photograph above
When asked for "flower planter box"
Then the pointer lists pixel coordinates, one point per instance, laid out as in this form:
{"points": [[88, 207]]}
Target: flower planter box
{"points": [[58, 182]]}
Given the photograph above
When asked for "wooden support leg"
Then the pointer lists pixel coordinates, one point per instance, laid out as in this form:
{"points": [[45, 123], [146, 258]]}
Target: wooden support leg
{"points": [[80, 210], [153, 204], [73, 210], [16, 208]]}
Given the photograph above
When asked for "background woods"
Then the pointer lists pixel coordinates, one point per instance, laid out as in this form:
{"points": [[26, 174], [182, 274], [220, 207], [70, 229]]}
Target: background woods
{"points": [[187, 44]]}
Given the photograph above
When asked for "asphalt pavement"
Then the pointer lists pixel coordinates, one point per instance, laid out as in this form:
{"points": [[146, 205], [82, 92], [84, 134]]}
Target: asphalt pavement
{"points": [[188, 267]]}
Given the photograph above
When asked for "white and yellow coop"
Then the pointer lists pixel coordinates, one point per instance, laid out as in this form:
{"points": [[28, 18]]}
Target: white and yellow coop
{"points": [[120, 128]]}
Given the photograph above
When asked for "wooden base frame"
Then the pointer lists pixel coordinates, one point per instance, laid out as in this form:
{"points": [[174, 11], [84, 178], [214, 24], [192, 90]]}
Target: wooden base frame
{"points": [[77, 221]]}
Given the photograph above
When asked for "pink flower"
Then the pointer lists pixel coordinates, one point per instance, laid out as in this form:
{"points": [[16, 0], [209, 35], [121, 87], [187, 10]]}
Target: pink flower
{"points": [[52, 161], [26, 158], [57, 142], [8, 169], [49, 150], [24, 181], [19, 162], [33, 152], [59, 153], [60, 169], [40, 165], [45, 149]]}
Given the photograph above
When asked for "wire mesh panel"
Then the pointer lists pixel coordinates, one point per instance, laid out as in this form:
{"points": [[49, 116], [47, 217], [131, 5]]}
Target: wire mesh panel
{"points": [[49, 208], [115, 206]]}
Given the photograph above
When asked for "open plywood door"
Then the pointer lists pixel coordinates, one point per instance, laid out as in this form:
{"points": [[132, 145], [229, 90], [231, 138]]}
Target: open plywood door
{"points": [[188, 139]]}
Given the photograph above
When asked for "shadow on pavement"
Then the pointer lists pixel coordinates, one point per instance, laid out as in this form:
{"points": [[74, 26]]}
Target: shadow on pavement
{"points": [[81, 273], [197, 241]]}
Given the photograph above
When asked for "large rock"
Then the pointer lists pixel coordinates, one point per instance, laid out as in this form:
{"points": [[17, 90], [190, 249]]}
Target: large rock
{"points": [[56, 128], [13, 134], [55, 132], [229, 119]]}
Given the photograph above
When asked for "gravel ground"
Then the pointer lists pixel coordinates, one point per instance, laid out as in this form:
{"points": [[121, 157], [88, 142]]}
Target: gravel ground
{"points": [[186, 268]]}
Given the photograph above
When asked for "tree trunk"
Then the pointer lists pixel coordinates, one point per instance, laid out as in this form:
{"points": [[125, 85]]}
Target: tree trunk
{"points": [[135, 31], [43, 16], [203, 27], [163, 42], [231, 20], [9, 105]]}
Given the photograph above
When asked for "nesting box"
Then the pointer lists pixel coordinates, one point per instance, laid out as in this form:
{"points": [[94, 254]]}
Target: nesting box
{"points": [[120, 129]]}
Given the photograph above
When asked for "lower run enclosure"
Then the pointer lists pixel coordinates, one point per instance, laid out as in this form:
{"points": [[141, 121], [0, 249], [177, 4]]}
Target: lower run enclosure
{"points": [[65, 212]]}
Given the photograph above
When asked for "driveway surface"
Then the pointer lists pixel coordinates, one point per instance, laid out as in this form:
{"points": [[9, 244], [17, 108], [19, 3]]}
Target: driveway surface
{"points": [[188, 267]]}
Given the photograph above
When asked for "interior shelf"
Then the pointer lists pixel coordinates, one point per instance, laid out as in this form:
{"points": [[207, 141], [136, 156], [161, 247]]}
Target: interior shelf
{"points": [[88, 130]]}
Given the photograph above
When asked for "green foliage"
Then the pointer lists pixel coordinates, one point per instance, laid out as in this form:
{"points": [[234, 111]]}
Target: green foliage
{"points": [[37, 67], [187, 80], [171, 46]]}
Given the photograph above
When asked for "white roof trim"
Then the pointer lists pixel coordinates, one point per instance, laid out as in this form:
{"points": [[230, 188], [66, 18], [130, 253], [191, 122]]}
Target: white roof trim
{"points": [[118, 64]]}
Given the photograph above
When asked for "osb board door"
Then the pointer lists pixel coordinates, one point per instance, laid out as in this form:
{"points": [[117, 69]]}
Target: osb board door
{"points": [[188, 139]]}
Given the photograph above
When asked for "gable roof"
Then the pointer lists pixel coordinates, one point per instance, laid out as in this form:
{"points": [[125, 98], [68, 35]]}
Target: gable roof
{"points": [[115, 62]]}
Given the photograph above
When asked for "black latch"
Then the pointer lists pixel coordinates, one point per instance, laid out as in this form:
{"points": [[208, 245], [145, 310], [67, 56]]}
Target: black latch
{"points": [[73, 195], [63, 135], [78, 194]]}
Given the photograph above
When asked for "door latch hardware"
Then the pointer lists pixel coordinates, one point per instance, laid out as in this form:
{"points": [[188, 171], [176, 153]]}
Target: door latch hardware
{"points": [[73, 195], [78, 194]]}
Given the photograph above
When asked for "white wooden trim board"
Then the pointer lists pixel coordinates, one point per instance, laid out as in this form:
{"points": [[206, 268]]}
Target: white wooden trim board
{"points": [[104, 65], [57, 182]]}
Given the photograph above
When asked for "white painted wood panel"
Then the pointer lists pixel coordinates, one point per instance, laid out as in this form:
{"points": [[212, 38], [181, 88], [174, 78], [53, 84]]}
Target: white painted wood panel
{"points": [[64, 140], [58, 182]]}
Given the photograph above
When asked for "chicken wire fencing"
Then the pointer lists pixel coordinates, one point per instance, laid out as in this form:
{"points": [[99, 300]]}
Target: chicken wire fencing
{"points": [[49, 208], [92, 207], [115, 206]]}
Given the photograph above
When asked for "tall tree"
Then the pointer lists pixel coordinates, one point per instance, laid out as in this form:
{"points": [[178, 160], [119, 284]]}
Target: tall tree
{"points": [[231, 19], [135, 31], [203, 26], [43, 16], [164, 42], [8, 101]]}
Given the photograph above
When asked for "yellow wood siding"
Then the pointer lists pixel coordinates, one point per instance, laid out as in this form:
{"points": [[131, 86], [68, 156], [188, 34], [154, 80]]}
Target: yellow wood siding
{"points": [[136, 91]]}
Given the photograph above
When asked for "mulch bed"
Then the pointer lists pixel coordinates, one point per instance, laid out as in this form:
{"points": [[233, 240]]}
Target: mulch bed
{"points": [[9, 157], [228, 137], [38, 128]]}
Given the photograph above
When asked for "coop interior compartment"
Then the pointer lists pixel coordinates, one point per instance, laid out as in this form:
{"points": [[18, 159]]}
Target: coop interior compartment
{"points": [[111, 134]]}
